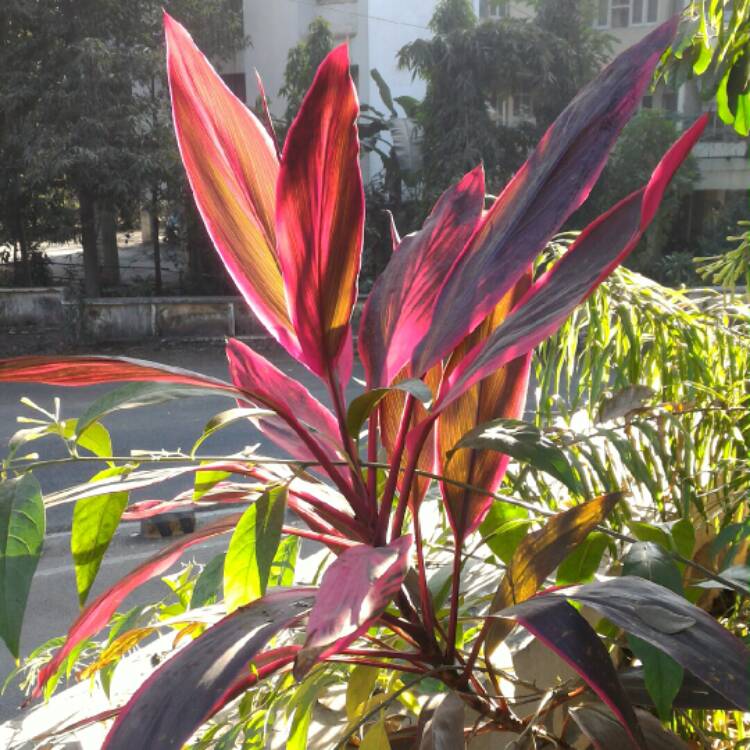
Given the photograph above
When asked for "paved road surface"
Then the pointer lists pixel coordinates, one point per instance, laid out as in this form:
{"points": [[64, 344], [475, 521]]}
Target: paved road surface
{"points": [[173, 425]]}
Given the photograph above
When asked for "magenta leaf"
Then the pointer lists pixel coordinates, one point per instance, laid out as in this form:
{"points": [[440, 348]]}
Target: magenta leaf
{"points": [[592, 257], [553, 183], [265, 383], [99, 612], [399, 309], [562, 629], [320, 214], [354, 590], [167, 709]]}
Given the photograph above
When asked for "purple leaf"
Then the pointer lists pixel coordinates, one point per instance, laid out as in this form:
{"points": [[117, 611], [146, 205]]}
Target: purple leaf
{"points": [[354, 590], [670, 623], [593, 256], [553, 183], [167, 709], [562, 629]]}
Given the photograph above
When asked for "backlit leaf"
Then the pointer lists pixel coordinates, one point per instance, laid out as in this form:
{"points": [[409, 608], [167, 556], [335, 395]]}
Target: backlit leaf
{"points": [[252, 549], [22, 526]]}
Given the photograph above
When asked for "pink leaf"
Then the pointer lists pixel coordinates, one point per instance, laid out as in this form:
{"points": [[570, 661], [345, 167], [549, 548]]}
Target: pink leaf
{"points": [[354, 590], [399, 309], [320, 214], [593, 256], [233, 169]]}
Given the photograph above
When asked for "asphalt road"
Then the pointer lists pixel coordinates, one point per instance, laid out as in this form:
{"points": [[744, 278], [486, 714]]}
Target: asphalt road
{"points": [[173, 425]]}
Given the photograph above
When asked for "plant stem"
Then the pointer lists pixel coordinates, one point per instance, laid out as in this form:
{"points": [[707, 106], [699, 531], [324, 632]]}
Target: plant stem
{"points": [[455, 593], [372, 456], [386, 501], [317, 536], [424, 591]]}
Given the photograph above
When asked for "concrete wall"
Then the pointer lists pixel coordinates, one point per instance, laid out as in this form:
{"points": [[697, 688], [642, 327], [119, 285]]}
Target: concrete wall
{"points": [[37, 307]]}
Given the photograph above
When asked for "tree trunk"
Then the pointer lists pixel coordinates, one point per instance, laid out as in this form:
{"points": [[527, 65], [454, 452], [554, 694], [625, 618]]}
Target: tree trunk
{"points": [[108, 239], [88, 239], [155, 239]]}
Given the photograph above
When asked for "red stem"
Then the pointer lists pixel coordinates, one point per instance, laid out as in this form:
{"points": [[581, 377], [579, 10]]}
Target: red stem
{"points": [[424, 591], [423, 431], [455, 593], [331, 541], [387, 654], [390, 485], [378, 664], [372, 457]]}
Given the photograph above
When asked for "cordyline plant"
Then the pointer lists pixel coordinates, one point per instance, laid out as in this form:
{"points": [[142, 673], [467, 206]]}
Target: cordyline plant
{"points": [[445, 340]]}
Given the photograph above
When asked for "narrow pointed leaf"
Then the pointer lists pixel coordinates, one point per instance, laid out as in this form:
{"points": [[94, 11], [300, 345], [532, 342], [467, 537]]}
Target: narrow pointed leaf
{"points": [[208, 586], [99, 612], [563, 630], [602, 246], [224, 419], [503, 394], [354, 590], [540, 553], [525, 443], [398, 311], [376, 737], [95, 520], [232, 167], [252, 549], [607, 733], [660, 617], [90, 370], [167, 709], [581, 564], [553, 183], [320, 214], [22, 525]]}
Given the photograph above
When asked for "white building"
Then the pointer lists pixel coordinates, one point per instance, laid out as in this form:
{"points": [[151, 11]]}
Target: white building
{"points": [[377, 29]]}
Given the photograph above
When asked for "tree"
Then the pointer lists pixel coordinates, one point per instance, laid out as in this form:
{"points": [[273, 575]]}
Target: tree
{"points": [[471, 68], [301, 63], [633, 159]]}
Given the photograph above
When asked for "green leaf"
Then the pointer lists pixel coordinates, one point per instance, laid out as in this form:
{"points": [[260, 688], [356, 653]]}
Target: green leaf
{"points": [[361, 407], [22, 526], [524, 442], [683, 536], [358, 690], [207, 587], [649, 560], [302, 704], [252, 549], [135, 395], [224, 419], [95, 438], [376, 737], [503, 528], [384, 90], [646, 532], [95, 520], [284, 562], [207, 480], [737, 574], [581, 565], [663, 675]]}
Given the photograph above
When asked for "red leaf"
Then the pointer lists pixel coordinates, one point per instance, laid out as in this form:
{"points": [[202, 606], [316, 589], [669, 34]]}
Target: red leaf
{"points": [[90, 370], [320, 214], [232, 167], [99, 612], [593, 256], [399, 309], [185, 691], [354, 590], [567, 633], [553, 183], [502, 394]]}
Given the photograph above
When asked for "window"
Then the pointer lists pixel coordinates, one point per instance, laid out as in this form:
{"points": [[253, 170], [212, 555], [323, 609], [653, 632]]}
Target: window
{"points": [[619, 14], [522, 106], [494, 9]]}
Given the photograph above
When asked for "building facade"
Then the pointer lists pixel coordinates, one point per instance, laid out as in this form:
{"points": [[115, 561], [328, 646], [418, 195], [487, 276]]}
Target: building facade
{"points": [[377, 29]]}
